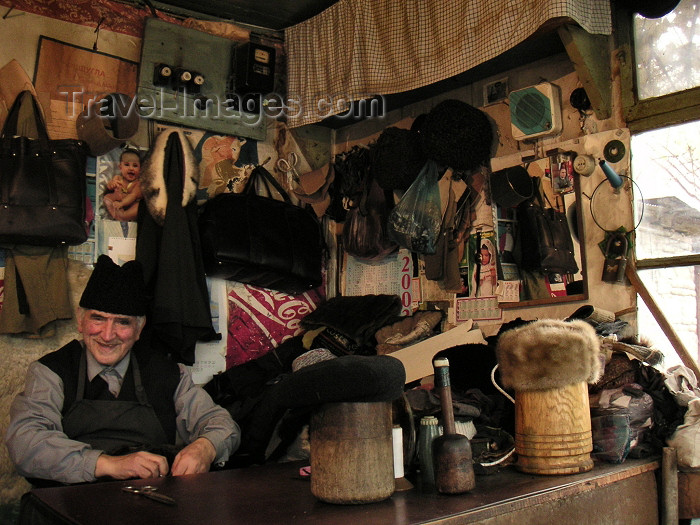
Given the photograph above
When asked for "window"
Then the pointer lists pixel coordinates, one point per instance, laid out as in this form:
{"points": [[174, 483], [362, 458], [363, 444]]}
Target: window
{"points": [[666, 169], [667, 51], [665, 121]]}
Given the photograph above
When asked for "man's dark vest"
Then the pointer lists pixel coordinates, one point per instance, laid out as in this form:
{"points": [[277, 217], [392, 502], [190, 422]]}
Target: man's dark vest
{"points": [[160, 378]]}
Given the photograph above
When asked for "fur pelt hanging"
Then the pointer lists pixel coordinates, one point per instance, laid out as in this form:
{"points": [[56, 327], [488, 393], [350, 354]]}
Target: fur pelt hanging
{"points": [[153, 181], [548, 354]]}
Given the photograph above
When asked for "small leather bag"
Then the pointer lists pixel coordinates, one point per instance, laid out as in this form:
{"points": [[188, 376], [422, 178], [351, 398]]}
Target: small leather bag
{"points": [[260, 240], [544, 236], [365, 233], [42, 184]]}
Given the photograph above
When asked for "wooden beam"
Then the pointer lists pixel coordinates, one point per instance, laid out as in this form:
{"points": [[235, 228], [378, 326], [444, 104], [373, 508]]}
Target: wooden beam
{"points": [[590, 55], [688, 495], [660, 318], [665, 262], [665, 110]]}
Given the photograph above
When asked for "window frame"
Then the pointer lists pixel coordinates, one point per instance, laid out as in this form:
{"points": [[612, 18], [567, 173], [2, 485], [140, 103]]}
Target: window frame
{"points": [[652, 113], [645, 115], [655, 112]]}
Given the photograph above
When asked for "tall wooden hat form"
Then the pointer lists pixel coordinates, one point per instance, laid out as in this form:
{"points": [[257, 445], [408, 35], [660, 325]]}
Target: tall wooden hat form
{"points": [[548, 364]]}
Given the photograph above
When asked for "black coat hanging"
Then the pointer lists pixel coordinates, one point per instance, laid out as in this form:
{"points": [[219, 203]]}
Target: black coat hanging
{"points": [[168, 246]]}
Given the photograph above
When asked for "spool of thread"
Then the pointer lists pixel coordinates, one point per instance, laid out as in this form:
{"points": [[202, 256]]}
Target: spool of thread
{"points": [[429, 430], [401, 484], [613, 177], [397, 440], [584, 165]]}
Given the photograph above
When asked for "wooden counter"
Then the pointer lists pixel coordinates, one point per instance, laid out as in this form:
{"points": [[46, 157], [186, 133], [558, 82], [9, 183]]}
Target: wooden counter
{"points": [[275, 494], [688, 495]]}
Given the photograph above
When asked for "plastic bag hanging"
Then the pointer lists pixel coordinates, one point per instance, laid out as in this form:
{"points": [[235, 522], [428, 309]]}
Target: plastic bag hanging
{"points": [[415, 221]]}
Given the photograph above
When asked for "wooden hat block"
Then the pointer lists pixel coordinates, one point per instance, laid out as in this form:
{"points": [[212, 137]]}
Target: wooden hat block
{"points": [[352, 458], [553, 430], [548, 364]]}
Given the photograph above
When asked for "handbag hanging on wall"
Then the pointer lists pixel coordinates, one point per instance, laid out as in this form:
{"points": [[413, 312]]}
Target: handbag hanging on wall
{"points": [[260, 240], [365, 233], [42, 182], [544, 237]]}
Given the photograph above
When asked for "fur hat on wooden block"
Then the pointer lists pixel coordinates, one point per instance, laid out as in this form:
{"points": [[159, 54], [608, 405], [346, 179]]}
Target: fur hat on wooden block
{"points": [[548, 354]]}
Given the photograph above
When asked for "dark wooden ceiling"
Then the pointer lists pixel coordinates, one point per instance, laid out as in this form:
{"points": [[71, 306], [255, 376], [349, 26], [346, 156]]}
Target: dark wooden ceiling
{"points": [[270, 14]]}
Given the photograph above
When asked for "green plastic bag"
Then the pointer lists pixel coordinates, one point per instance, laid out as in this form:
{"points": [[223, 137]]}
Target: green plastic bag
{"points": [[415, 221]]}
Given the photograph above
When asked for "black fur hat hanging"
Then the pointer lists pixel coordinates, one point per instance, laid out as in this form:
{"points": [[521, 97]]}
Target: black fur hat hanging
{"points": [[397, 158], [457, 135]]}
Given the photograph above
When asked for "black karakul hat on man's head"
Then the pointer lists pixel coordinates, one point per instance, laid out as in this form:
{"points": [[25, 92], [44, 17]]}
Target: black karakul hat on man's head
{"points": [[116, 289]]}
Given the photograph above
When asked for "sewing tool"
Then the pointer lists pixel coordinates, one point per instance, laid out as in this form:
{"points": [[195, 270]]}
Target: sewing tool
{"points": [[149, 491]]}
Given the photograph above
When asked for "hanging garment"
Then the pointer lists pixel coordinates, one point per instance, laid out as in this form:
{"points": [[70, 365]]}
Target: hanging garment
{"points": [[444, 264], [168, 247], [36, 277], [36, 290]]}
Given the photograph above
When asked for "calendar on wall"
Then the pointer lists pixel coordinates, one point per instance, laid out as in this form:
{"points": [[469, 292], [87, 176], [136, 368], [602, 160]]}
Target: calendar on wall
{"points": [[392, 275]]}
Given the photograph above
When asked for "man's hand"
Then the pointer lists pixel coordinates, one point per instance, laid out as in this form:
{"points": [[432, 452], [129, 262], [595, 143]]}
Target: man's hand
{"points": [[136, 465], [194, 458]]}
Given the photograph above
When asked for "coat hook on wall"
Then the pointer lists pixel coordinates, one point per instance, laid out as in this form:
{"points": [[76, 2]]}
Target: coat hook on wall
{"points": [[97, 33], [7, 13], [154, 13]]}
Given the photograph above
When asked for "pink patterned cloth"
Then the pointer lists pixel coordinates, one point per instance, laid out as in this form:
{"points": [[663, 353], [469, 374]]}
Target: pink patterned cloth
{"points": [[260, 319]]}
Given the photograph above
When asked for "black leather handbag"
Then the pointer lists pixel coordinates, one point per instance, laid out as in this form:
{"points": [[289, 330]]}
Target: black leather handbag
{"points": [[42, 184], [545, 240], [260, 240]]}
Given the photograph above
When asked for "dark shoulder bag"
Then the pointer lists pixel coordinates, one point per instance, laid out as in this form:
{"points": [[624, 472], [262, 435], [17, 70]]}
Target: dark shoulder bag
{"points": [[545, 239], [42, 184], [260, 240]]}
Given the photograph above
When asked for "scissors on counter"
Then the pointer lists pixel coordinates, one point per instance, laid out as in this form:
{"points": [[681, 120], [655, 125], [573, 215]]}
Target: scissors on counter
{"points": [[149, 491], [289, 166]]}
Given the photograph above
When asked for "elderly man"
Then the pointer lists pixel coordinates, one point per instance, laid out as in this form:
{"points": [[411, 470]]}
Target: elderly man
{"points": [[108, 408]]}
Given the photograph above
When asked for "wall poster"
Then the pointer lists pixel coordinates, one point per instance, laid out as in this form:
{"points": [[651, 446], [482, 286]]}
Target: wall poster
{"points": [[67, 77]]}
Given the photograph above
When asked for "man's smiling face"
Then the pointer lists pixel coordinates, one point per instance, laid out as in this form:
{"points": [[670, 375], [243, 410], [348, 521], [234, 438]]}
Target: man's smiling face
{"points": [[109, 337]]}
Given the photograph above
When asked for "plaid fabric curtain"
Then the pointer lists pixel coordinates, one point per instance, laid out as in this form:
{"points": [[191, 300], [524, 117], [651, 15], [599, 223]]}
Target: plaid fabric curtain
{"points": [[357, 49]]}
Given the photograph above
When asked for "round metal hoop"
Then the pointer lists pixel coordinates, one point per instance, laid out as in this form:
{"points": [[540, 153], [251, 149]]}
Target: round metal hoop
{"points": [[605, 181]]}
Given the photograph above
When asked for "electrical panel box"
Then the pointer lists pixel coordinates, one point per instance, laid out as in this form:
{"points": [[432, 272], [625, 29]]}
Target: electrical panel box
{"points": [[254, 68], [184, 79]]}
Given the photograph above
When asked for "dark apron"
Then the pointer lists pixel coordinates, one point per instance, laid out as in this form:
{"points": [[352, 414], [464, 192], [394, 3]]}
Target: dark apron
{"points": [[115, 426]]}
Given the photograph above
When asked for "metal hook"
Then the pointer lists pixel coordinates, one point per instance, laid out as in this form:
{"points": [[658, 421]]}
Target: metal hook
{"points": [[97, 33], [7, 13]]}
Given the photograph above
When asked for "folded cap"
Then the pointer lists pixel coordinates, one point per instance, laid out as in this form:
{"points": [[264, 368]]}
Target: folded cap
{"points": [[314, 188], [116, 289], [107, 122]]}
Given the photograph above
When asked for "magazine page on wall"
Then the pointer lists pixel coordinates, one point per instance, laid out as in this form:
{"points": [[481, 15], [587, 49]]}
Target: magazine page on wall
{"points": [[118, 196], [85, 253]]}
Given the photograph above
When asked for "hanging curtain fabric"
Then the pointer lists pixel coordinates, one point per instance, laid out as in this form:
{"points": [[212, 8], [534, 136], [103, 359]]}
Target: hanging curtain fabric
{"points": [[355, 49]]}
